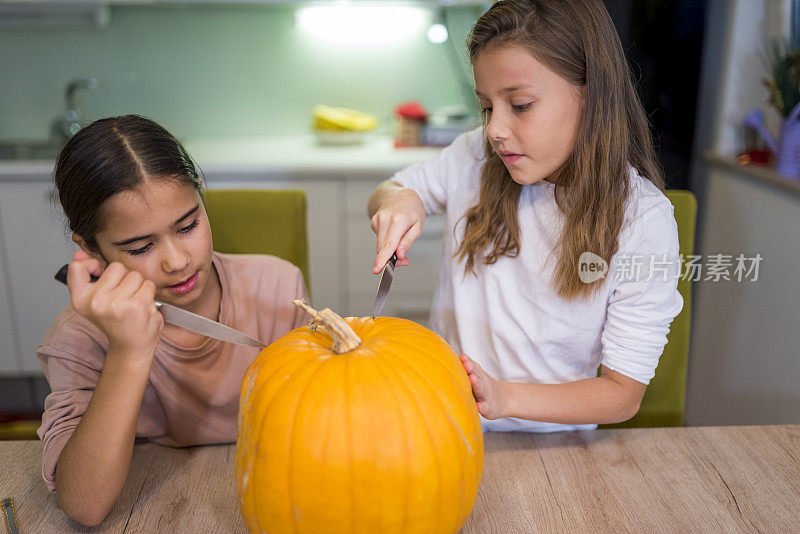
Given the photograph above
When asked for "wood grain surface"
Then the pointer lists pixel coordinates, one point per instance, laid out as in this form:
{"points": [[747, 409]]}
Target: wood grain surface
{"points": [[691, 479]]}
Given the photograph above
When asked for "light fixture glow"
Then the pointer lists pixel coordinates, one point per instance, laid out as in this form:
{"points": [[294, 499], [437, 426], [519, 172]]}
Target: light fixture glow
{"points": [[349, 24], [437, 33]]}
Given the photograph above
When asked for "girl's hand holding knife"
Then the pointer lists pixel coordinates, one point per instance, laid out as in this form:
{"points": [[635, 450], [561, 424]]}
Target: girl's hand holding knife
{"points": [[398, 223], [121, 303]]}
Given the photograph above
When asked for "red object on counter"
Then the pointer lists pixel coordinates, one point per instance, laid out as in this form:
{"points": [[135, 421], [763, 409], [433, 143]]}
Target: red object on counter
{"points": [[412, 110], [757, 156]]}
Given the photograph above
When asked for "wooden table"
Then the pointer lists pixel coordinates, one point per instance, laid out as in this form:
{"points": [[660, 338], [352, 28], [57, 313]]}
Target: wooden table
{"points": [[701, 479]]}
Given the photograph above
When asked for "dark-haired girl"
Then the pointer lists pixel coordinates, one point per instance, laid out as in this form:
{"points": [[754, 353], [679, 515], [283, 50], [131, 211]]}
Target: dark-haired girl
{"points": [[133, 200], [560, 182]]}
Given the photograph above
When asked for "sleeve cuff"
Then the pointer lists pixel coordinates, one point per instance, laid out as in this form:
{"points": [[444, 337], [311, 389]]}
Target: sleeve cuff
{"points": [[51, 451]]}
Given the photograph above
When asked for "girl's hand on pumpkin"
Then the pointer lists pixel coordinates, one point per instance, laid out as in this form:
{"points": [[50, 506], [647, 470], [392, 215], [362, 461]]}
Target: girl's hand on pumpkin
{"points": [[121, 303], [487, 391], [397, 223]]}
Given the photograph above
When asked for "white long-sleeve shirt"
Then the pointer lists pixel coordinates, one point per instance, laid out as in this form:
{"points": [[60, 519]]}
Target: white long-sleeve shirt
{"points": [[509, 317]]}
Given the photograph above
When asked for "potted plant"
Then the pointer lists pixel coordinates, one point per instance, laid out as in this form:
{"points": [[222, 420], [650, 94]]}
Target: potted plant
{"points": [[784, 94]]}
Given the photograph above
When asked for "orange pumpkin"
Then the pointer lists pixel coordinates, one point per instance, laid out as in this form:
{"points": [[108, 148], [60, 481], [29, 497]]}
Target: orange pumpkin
{"points": [[377, 434]]}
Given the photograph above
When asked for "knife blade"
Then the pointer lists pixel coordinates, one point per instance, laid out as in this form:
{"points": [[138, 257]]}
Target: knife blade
{"points": [[190, 321], [387, 275]]}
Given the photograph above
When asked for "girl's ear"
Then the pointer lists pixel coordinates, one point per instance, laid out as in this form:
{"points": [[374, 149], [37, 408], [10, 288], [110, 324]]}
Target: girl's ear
{"points": [[78, 240]]}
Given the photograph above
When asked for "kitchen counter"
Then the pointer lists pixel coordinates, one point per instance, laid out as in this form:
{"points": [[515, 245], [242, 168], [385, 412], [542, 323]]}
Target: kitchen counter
{"points": [[302, 154], [26, 170], [271, 155], [754, 172], [691, 479]]}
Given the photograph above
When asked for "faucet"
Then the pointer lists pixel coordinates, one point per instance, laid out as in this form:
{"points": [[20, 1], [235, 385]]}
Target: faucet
{"points": [[68, 124]]}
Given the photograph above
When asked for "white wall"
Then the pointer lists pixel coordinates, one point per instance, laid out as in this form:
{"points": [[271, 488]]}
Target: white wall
{"points": [[744, 362]]}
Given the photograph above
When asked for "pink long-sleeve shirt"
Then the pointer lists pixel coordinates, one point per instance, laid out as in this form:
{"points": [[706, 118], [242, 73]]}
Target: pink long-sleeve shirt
{"points": [[192, 394]]}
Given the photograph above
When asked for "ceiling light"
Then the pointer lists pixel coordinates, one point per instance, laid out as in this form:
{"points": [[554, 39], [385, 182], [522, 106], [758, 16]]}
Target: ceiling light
{"points": [[437, 33], [367, 24]]}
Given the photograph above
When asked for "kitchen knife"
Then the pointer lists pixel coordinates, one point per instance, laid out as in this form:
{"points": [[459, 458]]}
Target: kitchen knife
{"points": [[383, 287], [190, 321]]}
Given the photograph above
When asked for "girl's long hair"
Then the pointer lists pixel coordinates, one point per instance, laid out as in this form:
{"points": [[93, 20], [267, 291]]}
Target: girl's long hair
{"points": [[577, 40]]}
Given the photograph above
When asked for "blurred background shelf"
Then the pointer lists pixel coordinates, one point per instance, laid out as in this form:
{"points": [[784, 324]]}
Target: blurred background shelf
{"points": [[757, 172]]}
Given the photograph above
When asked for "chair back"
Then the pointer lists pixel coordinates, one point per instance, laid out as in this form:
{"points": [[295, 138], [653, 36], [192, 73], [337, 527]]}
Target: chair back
{"points": [[260, 221], [665, 399]]}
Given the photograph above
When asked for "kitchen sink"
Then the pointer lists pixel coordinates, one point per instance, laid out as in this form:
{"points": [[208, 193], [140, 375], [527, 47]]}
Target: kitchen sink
{"points": [[27, 149]]}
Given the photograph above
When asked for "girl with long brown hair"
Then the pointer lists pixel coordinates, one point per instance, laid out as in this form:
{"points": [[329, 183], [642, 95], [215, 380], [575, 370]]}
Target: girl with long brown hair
{"points": [[561, 250]]}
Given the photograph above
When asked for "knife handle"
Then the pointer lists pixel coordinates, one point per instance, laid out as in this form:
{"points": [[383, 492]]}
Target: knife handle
{"points": [[61, 275]]}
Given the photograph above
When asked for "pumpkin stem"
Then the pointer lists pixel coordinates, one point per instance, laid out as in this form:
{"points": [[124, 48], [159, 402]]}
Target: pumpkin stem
{"points": [[344, 338]]}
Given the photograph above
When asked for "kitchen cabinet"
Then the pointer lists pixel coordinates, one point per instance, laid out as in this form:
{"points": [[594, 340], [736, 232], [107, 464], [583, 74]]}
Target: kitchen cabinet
{"points": [[324, 195], [36, 245], [9, 362], [337, 181], [340, 241], [342, 244], [743, 365], [413, 286]]}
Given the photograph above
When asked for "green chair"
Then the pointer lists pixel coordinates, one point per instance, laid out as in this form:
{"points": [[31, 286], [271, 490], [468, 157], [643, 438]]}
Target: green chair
{"points": [[665, 398], [260, 221]]}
